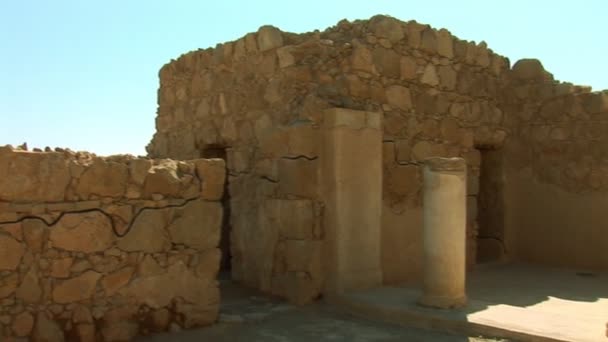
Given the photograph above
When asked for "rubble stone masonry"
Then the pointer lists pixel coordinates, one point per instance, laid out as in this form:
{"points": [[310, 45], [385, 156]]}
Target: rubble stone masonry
{"points": [[261, 98], [103, 249]]}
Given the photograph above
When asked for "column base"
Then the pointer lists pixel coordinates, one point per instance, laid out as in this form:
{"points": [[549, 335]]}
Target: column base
{"points": [[440, 302]]}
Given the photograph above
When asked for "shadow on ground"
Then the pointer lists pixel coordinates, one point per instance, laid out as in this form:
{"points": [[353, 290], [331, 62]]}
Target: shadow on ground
{"points": [[248, 316]]}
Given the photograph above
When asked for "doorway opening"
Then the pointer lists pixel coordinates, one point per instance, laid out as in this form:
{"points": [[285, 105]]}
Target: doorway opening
{"points": [[490, 206], [215, 151]]}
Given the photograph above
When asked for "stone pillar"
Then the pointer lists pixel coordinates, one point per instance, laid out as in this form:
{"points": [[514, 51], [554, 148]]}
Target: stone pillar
{"points": [[444, 235], [351, 187]]}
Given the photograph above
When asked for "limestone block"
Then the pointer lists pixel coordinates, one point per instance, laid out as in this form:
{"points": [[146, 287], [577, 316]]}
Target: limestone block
{"points": [[429, 76], [147, 233], [76, 289], [362, 60], [357, 87], [269, 37], [106, 179], [298, 177], [212, 173], [408, 67], [26, 176], [34, 234], [138, 169], [399, 97], [112, 282], [60, 268], [447, 77], [11, 252], [528, 69], [30, 290], [84, 232], [426, 149], [14, 229], [387, 62], [445, 43], [162, 179], [9, 285], [387, 27], [429, 41], [197, 225]]}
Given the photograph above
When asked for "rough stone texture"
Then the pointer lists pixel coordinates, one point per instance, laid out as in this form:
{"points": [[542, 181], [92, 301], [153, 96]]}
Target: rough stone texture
{"points": [[33, 176], [71, 263], [86, 232], [440, 97], [11, 252], [259, 102]]}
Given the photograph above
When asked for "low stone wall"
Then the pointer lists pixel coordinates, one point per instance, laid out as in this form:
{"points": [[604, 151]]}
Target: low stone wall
{"points": [[103, 249]]}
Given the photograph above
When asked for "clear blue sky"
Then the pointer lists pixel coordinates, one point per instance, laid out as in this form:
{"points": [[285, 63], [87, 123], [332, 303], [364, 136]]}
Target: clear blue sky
{"points": [[84, 74]]}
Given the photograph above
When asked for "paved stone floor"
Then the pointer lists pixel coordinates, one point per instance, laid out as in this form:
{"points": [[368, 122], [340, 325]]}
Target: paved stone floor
{"points": [[527, 302], [246, 316]]}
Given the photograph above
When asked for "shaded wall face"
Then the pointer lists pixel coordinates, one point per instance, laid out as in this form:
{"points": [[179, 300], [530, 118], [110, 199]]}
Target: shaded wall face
{"points": [[116, 246], [556, 173]]}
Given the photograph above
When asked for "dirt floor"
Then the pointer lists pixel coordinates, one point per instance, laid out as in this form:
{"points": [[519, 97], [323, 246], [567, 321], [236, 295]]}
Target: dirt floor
{"points": [[247, 316]]}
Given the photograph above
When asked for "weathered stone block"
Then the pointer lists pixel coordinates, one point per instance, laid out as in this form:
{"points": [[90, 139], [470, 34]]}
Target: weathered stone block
{"points": [[26, 176], [148, 233], [197, 225], [408, 67], [269, 37], [103, 179], [387, 27], [429, 76], [30, 291], [11, 252], [76, 289], [387, 62], [113, 282], [162, 179], [399, 97], [362, 60], [85, 232]]}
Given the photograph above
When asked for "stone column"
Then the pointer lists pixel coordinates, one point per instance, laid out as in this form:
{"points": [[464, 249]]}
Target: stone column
{"points": [[351, 187], [444, 247]]}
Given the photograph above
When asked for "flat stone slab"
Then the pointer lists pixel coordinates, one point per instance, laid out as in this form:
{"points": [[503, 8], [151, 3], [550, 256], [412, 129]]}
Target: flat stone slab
{"points": [[519, 302]]}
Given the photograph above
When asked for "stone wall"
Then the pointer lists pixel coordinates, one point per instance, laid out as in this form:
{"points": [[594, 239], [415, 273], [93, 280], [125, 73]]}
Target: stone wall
{"points": [[439, 96], [557, 169], [103, 249]]}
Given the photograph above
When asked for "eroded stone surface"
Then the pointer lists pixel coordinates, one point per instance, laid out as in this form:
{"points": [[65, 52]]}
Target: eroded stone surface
{"points": [[87, 232]]}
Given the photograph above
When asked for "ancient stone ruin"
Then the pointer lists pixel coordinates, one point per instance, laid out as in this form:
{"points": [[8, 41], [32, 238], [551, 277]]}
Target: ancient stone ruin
{"points": [[324, 137]]}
